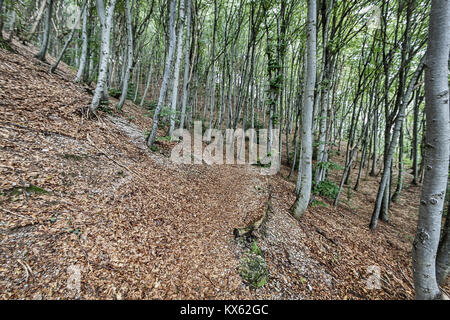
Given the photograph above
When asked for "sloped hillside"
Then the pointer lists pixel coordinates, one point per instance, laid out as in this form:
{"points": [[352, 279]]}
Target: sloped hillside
{"points": [[86, 196]]}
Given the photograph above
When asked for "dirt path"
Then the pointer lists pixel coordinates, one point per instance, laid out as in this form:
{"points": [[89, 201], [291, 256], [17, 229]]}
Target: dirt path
{"points": [[87, 211]]}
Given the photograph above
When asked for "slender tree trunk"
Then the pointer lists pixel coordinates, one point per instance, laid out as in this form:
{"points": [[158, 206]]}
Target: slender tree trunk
{"points": [[147, 86], [138, 82], [163, 90], [301, 203], [36, 22], [399, 187], [186, 65], [106, 18], [43, 51], [84, 48], [390, 152], [176, 71], [12, 25], [434, 186], [1, 18], [66, 45], [126, 76], [415, 140]]}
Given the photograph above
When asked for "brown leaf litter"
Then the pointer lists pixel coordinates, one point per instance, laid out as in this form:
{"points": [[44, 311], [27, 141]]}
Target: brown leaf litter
{"points": [[87, 195]]}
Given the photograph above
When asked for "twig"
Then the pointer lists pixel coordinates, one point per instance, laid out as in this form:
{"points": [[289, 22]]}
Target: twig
{"points": [[27, 268], [407, 280]]}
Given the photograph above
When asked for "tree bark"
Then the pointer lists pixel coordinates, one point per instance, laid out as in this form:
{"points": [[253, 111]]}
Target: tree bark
{"points": [[176, 71], [167, 67], [186, 65], [106, 18], [436, 154], [126, 76], [43, 51], [301, 203], [84, 48]]}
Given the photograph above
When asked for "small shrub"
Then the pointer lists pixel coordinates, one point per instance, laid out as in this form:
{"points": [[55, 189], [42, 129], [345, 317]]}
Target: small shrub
{"points": [[327, 189], [317, 203], [328, 165], [253, 269]]}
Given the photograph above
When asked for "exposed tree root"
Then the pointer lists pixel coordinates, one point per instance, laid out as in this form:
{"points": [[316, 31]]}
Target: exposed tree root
{"points": [[257, 225]]}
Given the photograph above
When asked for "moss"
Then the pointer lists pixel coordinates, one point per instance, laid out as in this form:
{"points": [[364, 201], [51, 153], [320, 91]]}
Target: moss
{"points": [[73, 157], [6, 45], [253, 269], [35, 189], [15, 192]]}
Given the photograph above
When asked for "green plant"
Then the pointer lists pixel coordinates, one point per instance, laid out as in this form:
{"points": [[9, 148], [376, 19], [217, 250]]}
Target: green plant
{"points": [[253, 269], [317, 203], [327, 189], [328, 165], [255, 249], [166, 138]]}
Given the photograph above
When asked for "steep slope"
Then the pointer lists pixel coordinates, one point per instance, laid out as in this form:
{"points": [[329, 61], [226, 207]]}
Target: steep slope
{"points": [[85, 199]]}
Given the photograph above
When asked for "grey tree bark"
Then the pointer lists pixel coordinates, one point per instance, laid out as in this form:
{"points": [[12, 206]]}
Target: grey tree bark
{"points": [[301, 203], [436, 154], [390, 152], [186, 65], [167, 67], [43, 51], [38, 19], [147, 86], [106, 18], [84, 48], [176, 71], [126, 76]]}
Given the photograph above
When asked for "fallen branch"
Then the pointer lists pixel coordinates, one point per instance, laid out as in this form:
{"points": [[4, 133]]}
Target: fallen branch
{"points": [[323, 234]]}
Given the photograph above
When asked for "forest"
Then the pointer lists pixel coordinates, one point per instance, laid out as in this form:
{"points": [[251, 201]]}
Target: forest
{"points": [[224, 149]]}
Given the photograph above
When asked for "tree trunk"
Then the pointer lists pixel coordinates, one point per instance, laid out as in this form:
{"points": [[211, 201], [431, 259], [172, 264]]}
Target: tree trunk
{"points": [[390, 152], [43, 51], [66, 45], [147, 86], [106, 18], [167, 67], [126, 76], [399, 187], [36, 22], [301, 203], [186, 65], [436, 154], [84, 48], [176, 71]]}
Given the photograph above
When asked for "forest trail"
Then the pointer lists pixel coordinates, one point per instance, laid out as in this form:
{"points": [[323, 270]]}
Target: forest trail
{"points": [[88, 194]]}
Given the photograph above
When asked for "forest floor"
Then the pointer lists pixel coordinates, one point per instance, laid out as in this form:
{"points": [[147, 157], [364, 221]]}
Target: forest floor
{"points": [[88, 198]]}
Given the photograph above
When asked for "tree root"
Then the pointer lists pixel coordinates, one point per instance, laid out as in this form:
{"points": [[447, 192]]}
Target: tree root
{"points": [[257, 225]]}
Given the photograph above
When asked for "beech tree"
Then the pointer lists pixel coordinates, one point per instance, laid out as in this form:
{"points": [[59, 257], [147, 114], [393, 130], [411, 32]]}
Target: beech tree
{"points": [[126, 76], [305, 172], [105, 14], [43, 51], [426, 242], [357, 89]]}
